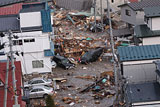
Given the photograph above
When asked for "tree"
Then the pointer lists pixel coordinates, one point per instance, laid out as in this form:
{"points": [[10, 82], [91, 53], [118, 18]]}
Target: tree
{"points": [[50, 101]]}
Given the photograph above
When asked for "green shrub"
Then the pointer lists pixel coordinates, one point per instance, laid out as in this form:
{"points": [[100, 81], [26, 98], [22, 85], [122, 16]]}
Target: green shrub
{"points": [[50, 101]]}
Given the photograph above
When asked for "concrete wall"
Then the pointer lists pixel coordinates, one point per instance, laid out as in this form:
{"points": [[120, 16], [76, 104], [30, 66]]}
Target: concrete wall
{"points": [[139, 71], [151, 41], [140, 17], [114, 5], [128, 19], [31, 19]]}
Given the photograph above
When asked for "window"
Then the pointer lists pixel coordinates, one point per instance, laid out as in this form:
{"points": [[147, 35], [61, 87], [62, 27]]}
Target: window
{"points": [[29, 40], [128, 12], [34, 90], [40, 81], [40, 89], [37, 64], [17, 42], [35, 82]]}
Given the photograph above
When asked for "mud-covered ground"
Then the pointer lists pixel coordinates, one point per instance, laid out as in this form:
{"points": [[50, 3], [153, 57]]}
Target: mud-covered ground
{"points": [[73, 85]]}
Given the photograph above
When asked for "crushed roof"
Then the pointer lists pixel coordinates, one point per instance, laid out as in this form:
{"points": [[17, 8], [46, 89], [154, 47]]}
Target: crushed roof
{"points": [[142, 4], [152, 11], [135, 53]]}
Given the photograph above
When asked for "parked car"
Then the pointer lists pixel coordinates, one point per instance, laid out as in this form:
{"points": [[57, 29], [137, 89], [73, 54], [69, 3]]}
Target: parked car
{"points": [[91, 55], [40, 91], [38, 82], [63, 62]]}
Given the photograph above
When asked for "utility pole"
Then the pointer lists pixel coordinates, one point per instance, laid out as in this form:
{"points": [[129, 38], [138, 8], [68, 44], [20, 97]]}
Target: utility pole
{"points": [[95, 24], [112, 43], [101, 7], [6, 83], [13, 69]]}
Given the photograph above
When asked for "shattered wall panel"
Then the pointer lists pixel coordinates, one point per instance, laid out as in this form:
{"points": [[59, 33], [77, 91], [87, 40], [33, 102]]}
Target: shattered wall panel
{"points": [[74, 4]]}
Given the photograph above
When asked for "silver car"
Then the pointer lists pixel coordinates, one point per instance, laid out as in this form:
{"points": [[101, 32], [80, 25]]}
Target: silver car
{"points": [[40, 91], [38, 82]]}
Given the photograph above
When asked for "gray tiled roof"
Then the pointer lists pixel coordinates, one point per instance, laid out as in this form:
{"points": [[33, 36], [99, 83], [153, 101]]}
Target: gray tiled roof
{"points": [[9, 23], [145, 3], [143, 31], [8, 2], [152, 11], [122, 32]]}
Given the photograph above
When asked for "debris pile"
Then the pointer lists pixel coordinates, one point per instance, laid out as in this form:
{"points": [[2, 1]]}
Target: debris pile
{"points": [[102, 88]]}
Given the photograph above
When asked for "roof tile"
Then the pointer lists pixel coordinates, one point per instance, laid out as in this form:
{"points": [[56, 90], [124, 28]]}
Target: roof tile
{"points": [[10, 10], [133, 53]]}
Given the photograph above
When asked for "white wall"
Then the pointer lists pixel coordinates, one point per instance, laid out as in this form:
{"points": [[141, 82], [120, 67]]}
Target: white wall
{"points": [[156, 23], [151, 41], [30, 19], [26, 62], [41, 42], [139, 71], [32, 51]]}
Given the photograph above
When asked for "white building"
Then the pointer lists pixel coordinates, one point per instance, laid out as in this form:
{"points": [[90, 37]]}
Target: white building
{"points": [[149, 33], [34, 39], [137, 62]]}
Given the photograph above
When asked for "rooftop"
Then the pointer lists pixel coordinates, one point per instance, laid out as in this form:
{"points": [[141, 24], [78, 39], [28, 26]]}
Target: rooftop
{"points": [[142, 4], [9, 2], [9, 23], [32, 7], [12, 9], [144, 92], [135, 53], [152, 11], [143, 31]]}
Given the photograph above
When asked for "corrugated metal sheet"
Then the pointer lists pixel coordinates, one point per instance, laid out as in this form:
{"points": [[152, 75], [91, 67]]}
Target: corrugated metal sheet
{"points": [[133, 53], [9, 23], [46, 20], [74, 4]]}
